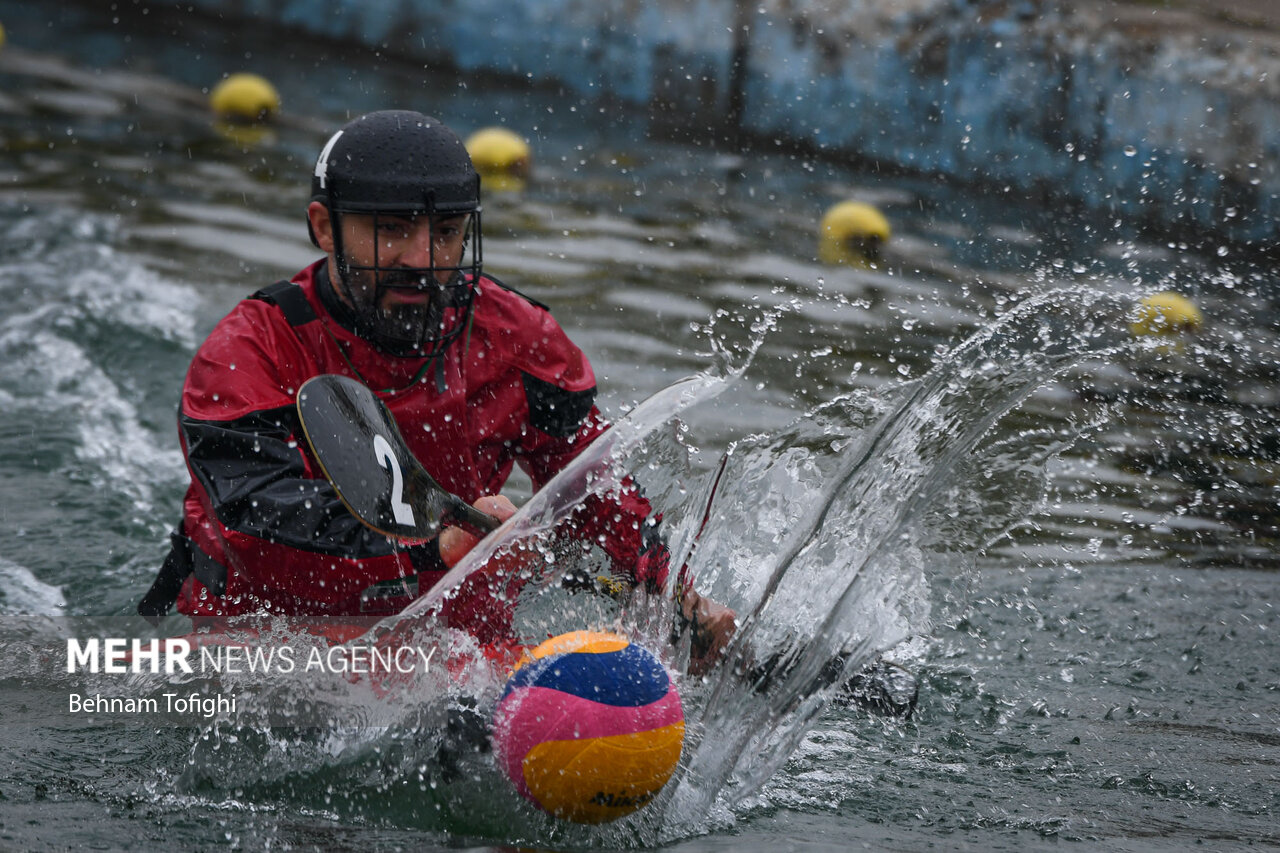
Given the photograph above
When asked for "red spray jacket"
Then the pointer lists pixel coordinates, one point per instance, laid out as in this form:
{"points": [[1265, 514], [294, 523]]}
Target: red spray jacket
{"points": [[513, 389]]}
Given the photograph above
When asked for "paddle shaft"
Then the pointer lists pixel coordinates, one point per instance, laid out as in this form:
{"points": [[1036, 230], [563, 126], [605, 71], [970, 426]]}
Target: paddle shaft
{"points": [[468, 517]]}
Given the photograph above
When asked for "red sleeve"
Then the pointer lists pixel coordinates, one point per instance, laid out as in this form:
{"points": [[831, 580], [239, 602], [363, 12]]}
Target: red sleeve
{"points": [[258, 503], [559, 421]]}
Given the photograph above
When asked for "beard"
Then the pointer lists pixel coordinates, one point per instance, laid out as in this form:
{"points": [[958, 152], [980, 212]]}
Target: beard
{"points": [[401, 328]]}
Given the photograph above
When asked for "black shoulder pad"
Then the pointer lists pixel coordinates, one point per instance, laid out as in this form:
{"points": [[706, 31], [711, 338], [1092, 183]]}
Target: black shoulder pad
{"points": [[290, 299], [555, 411], [523, 296]]}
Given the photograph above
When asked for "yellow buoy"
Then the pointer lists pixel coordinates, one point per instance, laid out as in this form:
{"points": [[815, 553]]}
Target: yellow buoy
{"points": [[501, 157], [853, 233], [246, 135], [1165, 314], [1, 35], [244, 97]]}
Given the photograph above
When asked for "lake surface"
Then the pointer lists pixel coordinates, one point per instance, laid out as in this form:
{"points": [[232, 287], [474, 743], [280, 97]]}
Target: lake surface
{"points": [[1087, 582]]}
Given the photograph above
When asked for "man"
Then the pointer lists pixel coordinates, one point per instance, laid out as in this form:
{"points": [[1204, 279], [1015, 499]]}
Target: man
{"points": [[477, 376]]}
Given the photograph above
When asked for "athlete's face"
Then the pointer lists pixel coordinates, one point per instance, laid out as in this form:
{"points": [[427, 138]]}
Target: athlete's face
{"points": [[401, 247], [388, 265]]}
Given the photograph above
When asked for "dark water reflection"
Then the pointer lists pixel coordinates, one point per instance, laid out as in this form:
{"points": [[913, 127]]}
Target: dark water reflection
{"points": [[1106, 673]]}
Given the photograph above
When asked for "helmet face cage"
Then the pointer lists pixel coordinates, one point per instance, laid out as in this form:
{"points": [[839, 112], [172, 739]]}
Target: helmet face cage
{"points": [[410, 329], [405, 165]]}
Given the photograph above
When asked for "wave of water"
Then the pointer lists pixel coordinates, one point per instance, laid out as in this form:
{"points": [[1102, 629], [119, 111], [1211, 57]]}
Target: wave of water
{"points": [[68, 338]]}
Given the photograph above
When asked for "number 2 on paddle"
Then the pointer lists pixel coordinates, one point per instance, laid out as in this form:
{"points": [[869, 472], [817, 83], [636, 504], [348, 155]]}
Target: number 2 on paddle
{"points": [[387, 459]]}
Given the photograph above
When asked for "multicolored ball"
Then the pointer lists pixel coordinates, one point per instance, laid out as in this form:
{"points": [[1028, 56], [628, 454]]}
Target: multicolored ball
{"points": [[589, 727]]}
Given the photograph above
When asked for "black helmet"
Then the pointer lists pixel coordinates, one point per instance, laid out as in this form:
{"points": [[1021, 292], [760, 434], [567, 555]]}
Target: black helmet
{"points": [[405, 164], [396, 161]]}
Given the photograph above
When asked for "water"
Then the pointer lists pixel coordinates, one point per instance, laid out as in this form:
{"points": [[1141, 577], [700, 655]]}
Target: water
{"points": [[1082, 580]]}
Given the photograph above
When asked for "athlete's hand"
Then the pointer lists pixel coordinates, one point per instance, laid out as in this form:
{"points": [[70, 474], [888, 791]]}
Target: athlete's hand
{"points": [[456, 542], [713, 625]]}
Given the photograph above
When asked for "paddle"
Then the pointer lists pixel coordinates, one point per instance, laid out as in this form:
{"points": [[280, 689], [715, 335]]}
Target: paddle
{"points": [[364, 457]]}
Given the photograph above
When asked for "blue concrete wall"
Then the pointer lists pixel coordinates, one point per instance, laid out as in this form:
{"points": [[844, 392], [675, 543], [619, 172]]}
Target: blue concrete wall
{"points": [[1165, 124]]}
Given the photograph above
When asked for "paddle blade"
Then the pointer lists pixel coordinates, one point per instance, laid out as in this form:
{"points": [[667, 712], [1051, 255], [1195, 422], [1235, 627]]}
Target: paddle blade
{"points": [[359, 446]]}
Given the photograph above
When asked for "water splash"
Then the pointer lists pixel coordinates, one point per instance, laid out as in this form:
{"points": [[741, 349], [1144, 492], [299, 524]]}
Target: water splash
{"points": [[827, 522], [819, 536]]}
